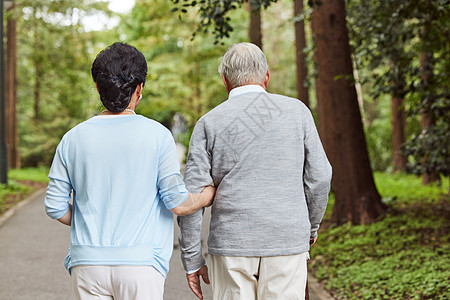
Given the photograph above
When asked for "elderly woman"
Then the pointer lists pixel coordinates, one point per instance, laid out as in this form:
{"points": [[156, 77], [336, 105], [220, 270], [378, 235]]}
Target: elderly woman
{"points": [[123, 173]]}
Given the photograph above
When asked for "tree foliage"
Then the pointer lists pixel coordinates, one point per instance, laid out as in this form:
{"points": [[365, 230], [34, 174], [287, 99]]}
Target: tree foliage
{"points": [[215, 14], [388, 39], [55, 89]]}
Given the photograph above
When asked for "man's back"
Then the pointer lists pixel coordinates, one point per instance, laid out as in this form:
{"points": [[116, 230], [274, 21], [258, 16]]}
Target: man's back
{"points": [[264, 155], [255, 146]]}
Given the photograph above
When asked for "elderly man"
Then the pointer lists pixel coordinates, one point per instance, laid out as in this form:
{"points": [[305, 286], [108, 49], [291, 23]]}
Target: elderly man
{"points": [[263, 153]]}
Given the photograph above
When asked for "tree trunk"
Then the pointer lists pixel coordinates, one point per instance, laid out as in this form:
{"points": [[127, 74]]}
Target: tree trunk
{"points": [[37, 89], [398, 119], [300, 45], [398, 132], [254, 30], [426, 118], [37, 80], [11, 94], [356, 197], [198, 92]]}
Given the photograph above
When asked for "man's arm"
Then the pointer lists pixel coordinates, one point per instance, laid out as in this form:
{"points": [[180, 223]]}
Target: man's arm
{"points": [[316, 176], [197, 176]]}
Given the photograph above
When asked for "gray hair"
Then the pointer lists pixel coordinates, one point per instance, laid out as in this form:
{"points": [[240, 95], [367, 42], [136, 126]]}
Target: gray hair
{"points": [[244, 63]]}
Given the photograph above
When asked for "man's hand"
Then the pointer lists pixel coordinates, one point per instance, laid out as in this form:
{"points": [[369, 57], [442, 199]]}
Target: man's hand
{"points": [[312, 240], [194, 281]]}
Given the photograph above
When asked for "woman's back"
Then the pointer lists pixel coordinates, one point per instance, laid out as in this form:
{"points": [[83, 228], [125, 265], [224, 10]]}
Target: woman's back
{"points": [[116, 166]]}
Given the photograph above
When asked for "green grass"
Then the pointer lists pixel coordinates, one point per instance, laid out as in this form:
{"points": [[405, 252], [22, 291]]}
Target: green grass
{"points": [[29, 174], [21, 183], [11, 194], [406, 189], [406, 255]]}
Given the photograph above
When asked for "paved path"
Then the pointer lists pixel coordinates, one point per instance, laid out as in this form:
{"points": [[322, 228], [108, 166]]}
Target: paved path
{"points": [[32, 251]]}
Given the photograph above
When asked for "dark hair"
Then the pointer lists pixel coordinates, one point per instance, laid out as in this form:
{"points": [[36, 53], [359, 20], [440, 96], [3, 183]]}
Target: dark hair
{"points": [[118, 70]]}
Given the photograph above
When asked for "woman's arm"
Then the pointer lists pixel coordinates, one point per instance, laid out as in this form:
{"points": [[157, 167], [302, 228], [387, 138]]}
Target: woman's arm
{"points": [[67, 218], [195, 201], [59, 189]]}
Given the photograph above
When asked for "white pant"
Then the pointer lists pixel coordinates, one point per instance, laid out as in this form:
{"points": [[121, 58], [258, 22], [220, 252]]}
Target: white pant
{"points": [[262, 278], [117, 282]]}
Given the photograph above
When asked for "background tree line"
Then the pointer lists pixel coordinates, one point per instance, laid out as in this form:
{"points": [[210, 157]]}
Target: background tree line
{"points": [[375, 73]]}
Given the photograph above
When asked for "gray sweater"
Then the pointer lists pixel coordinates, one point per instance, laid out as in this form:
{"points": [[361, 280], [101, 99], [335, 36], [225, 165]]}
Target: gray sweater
{"points": [[264, 155]]}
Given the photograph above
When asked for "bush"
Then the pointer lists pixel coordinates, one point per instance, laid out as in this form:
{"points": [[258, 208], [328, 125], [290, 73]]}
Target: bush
{"points": [[403, 256], [21, 182], [11, 194]]}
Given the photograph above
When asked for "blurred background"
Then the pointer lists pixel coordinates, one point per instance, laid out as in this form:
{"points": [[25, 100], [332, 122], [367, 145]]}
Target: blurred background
{"points": [[375, 74]]}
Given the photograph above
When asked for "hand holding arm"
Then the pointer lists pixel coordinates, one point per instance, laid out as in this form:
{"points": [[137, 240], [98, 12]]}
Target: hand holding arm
{"points": [[195, 202], [198, 176]]}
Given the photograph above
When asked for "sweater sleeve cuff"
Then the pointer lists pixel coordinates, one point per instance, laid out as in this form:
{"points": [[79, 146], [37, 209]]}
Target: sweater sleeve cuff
{"points": [[194, 270], [193, 264]]}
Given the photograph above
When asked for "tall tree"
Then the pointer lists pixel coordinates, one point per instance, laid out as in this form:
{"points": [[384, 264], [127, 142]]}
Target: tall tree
{"points": [[429, 147], [398, 118], [405, 46], [254, 29], [380, 42], [11, 91], [38, 74], [427, 119], [300, 55], [356, 197]]}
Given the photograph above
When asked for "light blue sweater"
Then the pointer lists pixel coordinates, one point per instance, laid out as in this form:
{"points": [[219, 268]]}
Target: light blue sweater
{"points": [[125, 176]]}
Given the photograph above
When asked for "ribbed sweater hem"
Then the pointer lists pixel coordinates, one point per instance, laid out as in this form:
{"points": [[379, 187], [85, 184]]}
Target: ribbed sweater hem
{"points": [[137, 255]]}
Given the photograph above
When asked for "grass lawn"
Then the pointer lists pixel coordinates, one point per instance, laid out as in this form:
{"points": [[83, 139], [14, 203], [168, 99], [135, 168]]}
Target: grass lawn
{"points": [[21, 183], [405, 255]]}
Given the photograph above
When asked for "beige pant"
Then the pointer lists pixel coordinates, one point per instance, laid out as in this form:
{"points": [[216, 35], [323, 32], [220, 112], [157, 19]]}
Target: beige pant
{"points": [[117, 282], [261, 278]]}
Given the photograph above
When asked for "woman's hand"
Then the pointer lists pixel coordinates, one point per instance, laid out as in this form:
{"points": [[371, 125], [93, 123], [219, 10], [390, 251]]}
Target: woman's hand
{"points": [[195, 201], [207, 195], [67, 218]]}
